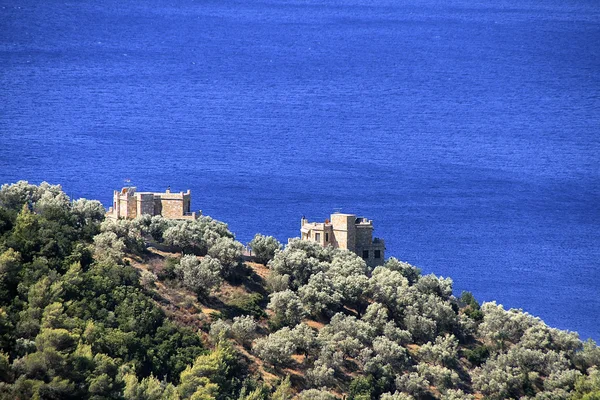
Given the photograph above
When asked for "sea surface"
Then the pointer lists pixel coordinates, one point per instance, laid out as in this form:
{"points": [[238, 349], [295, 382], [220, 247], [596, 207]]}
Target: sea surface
{"points": [[468, 130]]}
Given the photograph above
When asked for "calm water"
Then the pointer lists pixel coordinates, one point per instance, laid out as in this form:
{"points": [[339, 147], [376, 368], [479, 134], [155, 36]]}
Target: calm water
{"points": [[468, 130]]}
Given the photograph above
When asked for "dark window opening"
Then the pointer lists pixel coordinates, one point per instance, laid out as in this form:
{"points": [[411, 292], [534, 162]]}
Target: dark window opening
{"points": [[327, 237], [365, 254], [377, 253]]}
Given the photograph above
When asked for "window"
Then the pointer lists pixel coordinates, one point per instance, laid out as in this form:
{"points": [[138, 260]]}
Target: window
{"points": [[326, 237], [318, 237], [377, 253], [365, 254]]}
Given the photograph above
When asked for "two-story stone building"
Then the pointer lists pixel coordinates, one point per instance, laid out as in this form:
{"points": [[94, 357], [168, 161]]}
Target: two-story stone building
{"points": [[346, 231], [129, 203]]}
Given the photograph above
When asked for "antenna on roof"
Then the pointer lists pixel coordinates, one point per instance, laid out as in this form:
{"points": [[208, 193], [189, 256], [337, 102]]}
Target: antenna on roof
{"points": [[337, 209]]}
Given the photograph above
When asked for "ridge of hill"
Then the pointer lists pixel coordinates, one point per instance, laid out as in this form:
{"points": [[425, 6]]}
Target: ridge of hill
{"points": [[92, 309]]}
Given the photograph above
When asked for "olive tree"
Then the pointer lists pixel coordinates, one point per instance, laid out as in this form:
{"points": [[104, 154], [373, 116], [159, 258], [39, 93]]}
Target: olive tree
{"points": [[201, 276], [128, 230], [347, 334], [243, 328], [13, 196], [413, 384], [456, 394], [386, 358], [431, 284], [304, 338], [88, 211], [439, 376], [264, 247], [315, 394], [396, 396], [296, 264], [410, 272], [497, 383], [187, 237], [320, 375], [444, 351], [220, 328], [229, 253], [501, 327], [277, 283], [562, 380], [346, 263], [277, 348], [377, 315], [390, 288], [319, 296], [430, 315], [352, 290], [157, 226], [287, 307], [395, 334], [109, 247], [588, 356]]}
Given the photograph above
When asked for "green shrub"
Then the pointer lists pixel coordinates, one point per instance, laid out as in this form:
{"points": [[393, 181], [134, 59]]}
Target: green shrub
{"points": [[478, 355], [247, 304], [168, 272]]}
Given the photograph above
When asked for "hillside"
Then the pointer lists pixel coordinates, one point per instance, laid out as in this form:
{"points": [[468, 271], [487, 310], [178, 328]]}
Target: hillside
{"points": [[92, 309]]}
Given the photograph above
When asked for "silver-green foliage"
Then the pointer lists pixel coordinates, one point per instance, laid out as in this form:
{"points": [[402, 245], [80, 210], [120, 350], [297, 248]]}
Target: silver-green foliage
{"points": [[386, 357], [201, 276], [108, 246], [443, 351], [130, 231], [277, 348], [439, 376], [321, 375], [196, 236], [243, 328], [502, 327], [228, 251], [456, 394], [347, 335], [412, 383], [410, 272], [319, 296], [12, 196], [264, 247], [287, 307], [396, 396], [315, 394]]}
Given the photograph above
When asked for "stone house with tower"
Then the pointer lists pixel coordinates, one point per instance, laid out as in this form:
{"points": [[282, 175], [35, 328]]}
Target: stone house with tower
{"points": [[129, 203], [346, 231]]}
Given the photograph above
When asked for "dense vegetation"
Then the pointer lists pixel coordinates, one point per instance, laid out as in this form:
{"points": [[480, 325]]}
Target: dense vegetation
{"points": [[88, 310]]}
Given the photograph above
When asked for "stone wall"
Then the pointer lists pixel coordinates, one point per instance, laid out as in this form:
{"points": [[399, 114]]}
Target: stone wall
{"points": [[171, 207], [344, 230], [347, 232], [364, 235], [129, 204], [145, 204]]}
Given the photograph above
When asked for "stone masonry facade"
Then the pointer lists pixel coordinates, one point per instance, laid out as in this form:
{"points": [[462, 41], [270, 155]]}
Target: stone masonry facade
{"points": [[129, 203], [346, 231]]}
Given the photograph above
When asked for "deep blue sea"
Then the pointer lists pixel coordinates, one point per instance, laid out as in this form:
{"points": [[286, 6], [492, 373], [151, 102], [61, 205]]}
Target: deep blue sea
{"points": [[468, 130]]}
